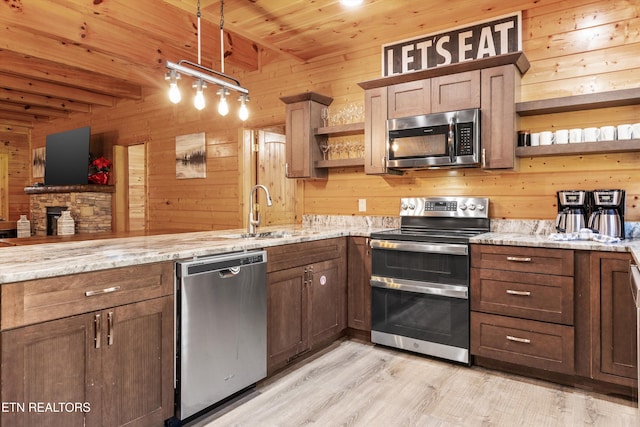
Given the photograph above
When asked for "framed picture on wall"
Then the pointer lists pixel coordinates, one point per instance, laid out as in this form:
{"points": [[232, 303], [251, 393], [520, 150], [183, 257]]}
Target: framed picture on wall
{"points": [[38, 162], [191, 156]]}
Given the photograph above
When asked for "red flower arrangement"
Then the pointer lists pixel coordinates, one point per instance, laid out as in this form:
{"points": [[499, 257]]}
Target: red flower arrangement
{"points": [[100, 169]]}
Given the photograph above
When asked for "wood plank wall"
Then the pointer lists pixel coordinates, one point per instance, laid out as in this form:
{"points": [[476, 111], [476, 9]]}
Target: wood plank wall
{"points": [[574, 47]]}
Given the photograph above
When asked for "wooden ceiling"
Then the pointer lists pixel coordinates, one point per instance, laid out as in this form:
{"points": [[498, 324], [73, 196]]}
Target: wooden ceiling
{"points": [[59, 57]]}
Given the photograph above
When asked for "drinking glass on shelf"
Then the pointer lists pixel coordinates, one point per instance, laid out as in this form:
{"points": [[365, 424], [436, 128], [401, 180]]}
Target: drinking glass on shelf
{"points": [[325, 149], [325, 116]]}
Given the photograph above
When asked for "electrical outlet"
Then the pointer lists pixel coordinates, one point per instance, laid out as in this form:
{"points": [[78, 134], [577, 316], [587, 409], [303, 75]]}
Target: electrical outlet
{"points": [[362, 205]]}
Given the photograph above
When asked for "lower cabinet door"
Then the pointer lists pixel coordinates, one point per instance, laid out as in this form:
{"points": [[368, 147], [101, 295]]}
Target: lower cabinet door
{"points": [[51, 374], [524, 342], [137, 363], [287, 316], [328, 301]]}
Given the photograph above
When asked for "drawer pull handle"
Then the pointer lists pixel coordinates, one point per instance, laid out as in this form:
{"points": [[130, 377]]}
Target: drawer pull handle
{"points": [[518, 259], [516, 339], [521, 293], [97, 331], [110, 328], [102, 291]]}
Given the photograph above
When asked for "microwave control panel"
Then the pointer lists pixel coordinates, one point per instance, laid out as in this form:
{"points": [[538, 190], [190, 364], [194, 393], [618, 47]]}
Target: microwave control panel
{"points": [[465, 139]]}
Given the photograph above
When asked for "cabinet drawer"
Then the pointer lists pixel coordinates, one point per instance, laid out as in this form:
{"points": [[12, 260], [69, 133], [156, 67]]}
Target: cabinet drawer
{"points": [[527, 295], [517, 258], [297, 254], [524, 342], [36, 301]]}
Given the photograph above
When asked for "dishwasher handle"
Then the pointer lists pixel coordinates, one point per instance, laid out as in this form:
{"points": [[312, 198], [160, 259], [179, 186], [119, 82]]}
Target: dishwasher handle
{"points": [[229, 272]]}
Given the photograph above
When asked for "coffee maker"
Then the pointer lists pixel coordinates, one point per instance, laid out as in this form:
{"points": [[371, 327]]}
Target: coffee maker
{"points": [[608, 213], [573, 210]]}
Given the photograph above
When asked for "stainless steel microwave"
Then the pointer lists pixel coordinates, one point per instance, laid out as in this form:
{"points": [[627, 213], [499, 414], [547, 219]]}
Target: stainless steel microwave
{"points": [[450, 139]]}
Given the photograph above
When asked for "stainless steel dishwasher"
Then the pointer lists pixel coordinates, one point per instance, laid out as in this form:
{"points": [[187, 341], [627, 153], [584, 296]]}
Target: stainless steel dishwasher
{"points": [[221, 328]]}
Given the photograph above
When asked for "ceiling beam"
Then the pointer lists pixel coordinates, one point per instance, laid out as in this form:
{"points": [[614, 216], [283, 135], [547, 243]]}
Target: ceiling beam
{"points": [[11, 82], [38, 111], [43, 101]]}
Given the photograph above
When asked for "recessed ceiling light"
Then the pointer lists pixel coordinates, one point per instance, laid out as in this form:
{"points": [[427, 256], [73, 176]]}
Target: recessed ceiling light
{"points": [[351, 3]]}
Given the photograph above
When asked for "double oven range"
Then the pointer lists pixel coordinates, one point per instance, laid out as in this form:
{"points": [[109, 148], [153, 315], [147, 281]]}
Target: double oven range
{"points": [[420, 276]]}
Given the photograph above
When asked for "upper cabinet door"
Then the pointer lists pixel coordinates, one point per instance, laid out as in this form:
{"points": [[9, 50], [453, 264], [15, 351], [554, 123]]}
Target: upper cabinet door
{"points": [[375, 131], [409, 99], [455, 91]]}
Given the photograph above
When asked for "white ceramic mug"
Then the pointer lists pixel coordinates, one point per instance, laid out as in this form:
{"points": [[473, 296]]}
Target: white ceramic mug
{"points": [[547, 138], [562, 136], [535, 139], [591, 134], [635, 131], [575, 135], [625, 131], [607, 133]]}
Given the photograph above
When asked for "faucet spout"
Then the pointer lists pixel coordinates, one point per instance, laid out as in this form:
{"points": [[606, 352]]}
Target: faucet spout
{"points": [[255, 222]]}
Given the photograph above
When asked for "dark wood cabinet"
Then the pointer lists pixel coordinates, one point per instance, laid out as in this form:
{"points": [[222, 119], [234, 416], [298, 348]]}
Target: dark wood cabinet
{"points": [[458, 91], [613, 320], [306, 298], [500, 87], [303, 115], [113, 365], [102, 341], [358, 286], [409, 99], [522, 302], [375, 131]]}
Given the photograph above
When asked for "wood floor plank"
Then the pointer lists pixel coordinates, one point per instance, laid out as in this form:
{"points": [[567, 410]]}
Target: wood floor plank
{"points": [[356, 384]]}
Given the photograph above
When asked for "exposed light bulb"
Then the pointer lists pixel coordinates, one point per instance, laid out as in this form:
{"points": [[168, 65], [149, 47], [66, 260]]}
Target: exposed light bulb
{"points": [[223, 107], [198, 101], [174, 93], [244, 111]]}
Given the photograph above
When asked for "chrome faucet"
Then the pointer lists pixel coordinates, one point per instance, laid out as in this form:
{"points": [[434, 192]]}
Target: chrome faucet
{"points": [[253, 223]]}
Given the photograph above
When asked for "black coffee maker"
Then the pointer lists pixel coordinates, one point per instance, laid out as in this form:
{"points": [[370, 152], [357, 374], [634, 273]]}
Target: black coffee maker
{"points": [[608, 213], [573, 210]]}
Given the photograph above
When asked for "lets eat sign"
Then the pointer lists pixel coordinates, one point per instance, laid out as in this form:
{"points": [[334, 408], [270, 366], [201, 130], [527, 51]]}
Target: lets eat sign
{"points": [[484, 39]]}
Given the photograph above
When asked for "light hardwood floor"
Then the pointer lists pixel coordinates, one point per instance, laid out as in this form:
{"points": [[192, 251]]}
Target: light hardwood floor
{"points": [[355, 384]]}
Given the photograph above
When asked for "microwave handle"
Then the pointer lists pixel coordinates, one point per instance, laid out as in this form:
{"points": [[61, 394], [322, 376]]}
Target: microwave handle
{"points": [[451, 140]]}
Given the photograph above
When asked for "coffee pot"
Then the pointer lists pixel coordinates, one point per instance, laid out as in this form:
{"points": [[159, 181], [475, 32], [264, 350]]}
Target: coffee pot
{"points": [[573, 208], [608, 213]]}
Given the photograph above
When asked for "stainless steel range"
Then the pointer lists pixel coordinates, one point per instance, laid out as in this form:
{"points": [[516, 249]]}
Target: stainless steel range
{"points": [[420, 276]]}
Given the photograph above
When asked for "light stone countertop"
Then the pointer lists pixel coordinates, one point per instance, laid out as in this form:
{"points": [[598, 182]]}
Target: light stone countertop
{"points": [[19, 263]]}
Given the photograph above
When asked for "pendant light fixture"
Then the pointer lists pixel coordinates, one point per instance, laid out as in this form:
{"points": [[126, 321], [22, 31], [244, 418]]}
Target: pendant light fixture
{"points": [[204, 75]]}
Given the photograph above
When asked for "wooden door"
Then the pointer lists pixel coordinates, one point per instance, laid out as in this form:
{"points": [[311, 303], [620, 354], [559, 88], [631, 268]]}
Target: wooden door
{"points": [[4, 186], [375, 131], [138, 363], [52, 362], [358, 286], [614, 323], [271, 172], [327, 311], [287, 316]]}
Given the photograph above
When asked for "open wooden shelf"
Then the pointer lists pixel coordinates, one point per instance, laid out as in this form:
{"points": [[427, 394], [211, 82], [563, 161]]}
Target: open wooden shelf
{"points": [[339, 163], [615, 98], [598, 147], [341, 130]]}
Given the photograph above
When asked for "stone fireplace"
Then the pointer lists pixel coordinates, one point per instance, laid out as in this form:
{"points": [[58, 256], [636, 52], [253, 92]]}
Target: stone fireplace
{"points": [[90, 206]]}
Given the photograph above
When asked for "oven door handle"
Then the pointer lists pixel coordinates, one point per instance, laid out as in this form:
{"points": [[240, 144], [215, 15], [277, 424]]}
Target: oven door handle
{"points": [[453, 291], [436, 248]]}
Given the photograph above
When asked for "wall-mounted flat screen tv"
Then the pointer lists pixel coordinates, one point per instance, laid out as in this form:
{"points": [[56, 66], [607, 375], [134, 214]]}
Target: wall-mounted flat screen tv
{"points": [[67, 157]]}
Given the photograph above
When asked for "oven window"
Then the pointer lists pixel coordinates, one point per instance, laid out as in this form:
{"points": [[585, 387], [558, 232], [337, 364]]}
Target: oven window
{"points": [[431, 318], [422, 267]]}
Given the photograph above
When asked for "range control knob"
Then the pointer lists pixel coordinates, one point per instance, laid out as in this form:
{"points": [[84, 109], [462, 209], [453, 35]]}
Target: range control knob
{"points": [[463, 207], [404, 206], [480, 207], [472, 207], [412, 206]]}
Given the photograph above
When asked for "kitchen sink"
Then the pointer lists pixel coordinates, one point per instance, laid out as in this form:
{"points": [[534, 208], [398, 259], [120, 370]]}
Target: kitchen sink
{"points": [[261, 235]]}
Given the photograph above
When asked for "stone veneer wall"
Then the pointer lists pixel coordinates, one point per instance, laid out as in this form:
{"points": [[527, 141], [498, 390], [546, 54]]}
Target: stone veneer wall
{"points": [[90, 211]]}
